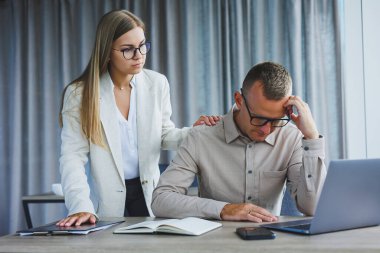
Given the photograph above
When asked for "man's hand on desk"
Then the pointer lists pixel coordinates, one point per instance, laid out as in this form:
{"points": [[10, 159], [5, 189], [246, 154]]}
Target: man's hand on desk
{"points": [[77, 219], [250, 212]]}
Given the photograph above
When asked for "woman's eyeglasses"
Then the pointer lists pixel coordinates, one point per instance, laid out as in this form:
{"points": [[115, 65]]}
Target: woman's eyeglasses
{"points": [[129, 53]]}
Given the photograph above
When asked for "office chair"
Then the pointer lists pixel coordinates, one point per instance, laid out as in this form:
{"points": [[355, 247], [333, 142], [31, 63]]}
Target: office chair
{"points": [[288, 207]]}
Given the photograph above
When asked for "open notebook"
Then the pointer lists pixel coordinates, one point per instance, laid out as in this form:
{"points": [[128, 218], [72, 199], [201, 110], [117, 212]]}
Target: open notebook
{"points": [[186, 226]]}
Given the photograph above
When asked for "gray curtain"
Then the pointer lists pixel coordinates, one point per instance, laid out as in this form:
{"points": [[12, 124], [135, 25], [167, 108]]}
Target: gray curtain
{"points": [[204, 47]]}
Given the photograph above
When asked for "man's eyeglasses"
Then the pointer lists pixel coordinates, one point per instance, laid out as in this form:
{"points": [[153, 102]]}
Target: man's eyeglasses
{"points": [[261, 121], [129, 53]]}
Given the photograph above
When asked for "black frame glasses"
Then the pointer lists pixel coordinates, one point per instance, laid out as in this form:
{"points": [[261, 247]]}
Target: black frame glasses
{"points": [[130, 52], [262, 121]]}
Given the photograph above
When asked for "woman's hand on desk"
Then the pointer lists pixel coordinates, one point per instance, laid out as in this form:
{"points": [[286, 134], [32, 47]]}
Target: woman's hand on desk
{"points": [[245, 211], [208, 120], [77, 219]]}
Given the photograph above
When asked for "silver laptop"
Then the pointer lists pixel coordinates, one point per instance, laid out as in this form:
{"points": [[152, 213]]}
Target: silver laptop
{"points": [[350, 198]]}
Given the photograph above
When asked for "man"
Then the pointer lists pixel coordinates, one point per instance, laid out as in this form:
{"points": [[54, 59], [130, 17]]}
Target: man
{"points": [[243, 162]]}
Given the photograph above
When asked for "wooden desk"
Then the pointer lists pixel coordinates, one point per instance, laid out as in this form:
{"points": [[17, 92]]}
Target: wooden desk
{"points": [[220, 240]]}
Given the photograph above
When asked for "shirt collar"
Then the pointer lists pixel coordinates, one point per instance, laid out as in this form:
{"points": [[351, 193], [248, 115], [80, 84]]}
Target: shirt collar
{"points": [[271, 139], [232, 132]]}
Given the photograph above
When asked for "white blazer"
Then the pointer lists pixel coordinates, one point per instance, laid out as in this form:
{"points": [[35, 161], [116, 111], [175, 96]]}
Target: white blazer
{"points": [[155, 130]]}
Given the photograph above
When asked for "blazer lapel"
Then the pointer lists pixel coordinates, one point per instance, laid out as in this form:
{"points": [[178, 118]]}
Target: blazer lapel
{"points": [[145, 98], [110, 122]]}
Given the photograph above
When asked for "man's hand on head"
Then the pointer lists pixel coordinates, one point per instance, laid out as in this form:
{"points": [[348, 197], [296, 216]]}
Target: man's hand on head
{"points": [[303, 119], [245, 211]]}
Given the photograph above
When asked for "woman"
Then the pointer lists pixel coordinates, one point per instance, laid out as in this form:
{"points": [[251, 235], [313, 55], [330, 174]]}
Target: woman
{"points": [[117, 114]]}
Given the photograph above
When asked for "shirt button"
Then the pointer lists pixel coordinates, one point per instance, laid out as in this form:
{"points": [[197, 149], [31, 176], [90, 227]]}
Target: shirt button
{"points": [[249, 146], [250, 172], [309, 176], [249, 197], [306, 148]]}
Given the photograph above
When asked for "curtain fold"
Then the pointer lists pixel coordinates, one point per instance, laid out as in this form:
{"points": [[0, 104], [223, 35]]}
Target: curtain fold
{"points": [[204, 47]]}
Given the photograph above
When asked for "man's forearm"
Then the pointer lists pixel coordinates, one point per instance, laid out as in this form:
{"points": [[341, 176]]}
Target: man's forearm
{"points": [[167, 203]]}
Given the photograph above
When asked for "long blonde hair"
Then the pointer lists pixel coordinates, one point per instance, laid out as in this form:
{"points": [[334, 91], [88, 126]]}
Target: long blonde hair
{"points": [[111, 26]]}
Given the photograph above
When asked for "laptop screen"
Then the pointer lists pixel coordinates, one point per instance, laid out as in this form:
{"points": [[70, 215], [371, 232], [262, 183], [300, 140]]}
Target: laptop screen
{"points": [[349, 198]]}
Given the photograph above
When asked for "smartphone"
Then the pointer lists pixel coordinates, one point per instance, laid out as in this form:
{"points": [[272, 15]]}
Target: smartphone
{"points": [[255, 233]]}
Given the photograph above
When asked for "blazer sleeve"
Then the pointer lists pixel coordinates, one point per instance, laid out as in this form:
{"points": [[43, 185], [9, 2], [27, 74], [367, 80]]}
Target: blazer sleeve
{"points": [[171, 137], [74, 155]]}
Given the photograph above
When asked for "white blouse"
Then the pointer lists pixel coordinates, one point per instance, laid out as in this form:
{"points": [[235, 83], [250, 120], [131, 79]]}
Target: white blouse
{"points": [[128, 136]]}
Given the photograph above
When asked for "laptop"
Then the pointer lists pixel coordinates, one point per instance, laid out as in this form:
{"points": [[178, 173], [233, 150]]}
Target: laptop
{"points": [[349, 199]]}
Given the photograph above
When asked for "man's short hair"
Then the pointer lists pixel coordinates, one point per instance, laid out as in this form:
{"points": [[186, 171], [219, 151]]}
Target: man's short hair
{"points": [[276, 80]]}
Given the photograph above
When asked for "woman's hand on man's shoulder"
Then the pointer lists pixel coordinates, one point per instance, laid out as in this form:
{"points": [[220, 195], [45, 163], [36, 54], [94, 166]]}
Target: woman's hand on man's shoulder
{"points": [[207, 120]]}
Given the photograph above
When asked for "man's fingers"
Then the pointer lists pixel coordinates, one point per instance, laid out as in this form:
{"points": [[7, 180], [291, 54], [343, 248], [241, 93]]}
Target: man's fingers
{"points": [[259, 217], [254, 218], [259, 214]]}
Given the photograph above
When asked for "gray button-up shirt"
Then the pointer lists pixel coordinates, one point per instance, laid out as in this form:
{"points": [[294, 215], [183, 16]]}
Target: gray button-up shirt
{"points": [[233, 169]]}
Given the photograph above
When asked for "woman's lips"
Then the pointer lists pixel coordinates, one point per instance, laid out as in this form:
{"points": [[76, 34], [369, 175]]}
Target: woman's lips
{"points": [[137, 65]]}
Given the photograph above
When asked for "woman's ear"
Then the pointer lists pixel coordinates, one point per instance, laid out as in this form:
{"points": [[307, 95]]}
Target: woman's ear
{"points": [[238, 99]]}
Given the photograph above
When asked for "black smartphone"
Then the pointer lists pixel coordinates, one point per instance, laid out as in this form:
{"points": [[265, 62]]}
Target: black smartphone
{"points": [[255, 233]]}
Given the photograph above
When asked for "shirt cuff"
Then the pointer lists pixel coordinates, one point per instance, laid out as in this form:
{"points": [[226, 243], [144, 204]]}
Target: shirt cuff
{"points": [[219, 207], [314, 147]]}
